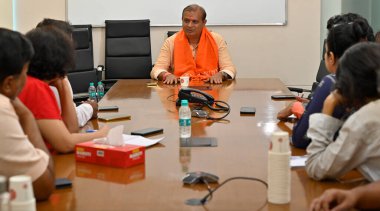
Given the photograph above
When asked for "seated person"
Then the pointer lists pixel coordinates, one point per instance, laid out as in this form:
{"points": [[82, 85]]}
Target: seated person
{"points": [[194, 51], [22, 150], [53, 56], [298, 107], [364, 197], [357, 145], [340, 38], [88, 109]]}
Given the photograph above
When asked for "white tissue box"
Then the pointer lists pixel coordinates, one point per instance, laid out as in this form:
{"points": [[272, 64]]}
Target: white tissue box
{"points": [[117, 156]]}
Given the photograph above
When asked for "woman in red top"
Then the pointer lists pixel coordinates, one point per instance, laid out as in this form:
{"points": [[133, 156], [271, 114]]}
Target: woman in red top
{"points": [[53, 56]]}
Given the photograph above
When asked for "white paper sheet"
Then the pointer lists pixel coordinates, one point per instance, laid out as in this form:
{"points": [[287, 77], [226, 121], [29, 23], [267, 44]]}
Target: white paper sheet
{"points": [[298, 161], [140, 141]]}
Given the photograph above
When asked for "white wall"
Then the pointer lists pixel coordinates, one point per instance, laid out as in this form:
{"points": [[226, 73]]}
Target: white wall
{"points": [[369, 9], [362, 7], [375, 22], [6, 14], [328, 8], [290, 52], [29, 13]]}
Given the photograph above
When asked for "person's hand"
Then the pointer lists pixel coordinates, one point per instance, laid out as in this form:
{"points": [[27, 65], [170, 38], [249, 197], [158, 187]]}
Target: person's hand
{"points": [[335, 200], [286, 112], [217, 78], [94, 106], [171, 79], [333, 100], [20, 109], [302, 100], [57, 82], [103, 131]]}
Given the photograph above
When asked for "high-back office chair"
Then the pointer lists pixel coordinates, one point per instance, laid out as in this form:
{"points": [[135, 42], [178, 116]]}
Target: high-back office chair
{"points": [[128, 49], [84, 71], [170, 33]]}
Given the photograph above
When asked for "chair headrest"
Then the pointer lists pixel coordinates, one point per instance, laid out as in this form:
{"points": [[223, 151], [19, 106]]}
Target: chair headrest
{"points": [[127, 28], [81, 38]]}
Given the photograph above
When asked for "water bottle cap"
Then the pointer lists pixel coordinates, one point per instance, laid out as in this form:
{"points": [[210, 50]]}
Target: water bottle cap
{"points": [[92, 84], [184, 103], [99, 83]]}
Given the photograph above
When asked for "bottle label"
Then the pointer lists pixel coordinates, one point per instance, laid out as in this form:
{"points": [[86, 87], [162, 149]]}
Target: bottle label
{"points": [[92, 94], [184, 122]]}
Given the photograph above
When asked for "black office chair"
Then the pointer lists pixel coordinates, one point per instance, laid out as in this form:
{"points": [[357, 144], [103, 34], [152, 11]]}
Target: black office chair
{"points": [[322, 72], [84, 71], [128, 50], [170, 33]]}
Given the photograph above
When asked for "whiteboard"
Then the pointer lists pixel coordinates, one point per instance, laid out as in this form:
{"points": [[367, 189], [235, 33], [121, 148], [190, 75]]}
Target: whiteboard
{"points": [[169, 12]]}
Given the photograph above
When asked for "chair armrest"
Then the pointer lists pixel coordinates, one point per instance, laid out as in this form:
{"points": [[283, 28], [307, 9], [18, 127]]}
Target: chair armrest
{"points": [[79, 97], [298, 90], [108, 83]]}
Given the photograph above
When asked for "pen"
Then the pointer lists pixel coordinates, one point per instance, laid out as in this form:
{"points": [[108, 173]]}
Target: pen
{"points": [[91, 131]]}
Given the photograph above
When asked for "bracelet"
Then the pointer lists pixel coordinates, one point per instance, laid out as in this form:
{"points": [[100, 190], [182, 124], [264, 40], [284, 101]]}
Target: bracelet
{"points": [[165, 75]]}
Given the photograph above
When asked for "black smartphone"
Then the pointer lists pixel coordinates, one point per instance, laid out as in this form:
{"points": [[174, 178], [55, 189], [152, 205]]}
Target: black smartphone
{"points": [[62, 183], [199, 142], [247, 110], [283, 97], [147, 131], [108, 108]]}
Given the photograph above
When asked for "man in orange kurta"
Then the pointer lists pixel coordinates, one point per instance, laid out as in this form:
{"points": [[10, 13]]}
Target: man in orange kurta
{"points": [[194, 51]]}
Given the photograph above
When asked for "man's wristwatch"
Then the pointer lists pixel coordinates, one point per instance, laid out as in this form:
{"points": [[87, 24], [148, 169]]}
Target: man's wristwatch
{"points": [[225, 75], [165, 75]]}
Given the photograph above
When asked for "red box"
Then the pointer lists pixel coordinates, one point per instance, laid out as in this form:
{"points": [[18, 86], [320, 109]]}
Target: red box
{"points": [[118, 156]]}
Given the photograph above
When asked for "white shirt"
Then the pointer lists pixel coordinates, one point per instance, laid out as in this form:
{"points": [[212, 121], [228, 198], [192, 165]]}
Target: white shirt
{"points": [[84, 111], [357, 146], [17, 154]]}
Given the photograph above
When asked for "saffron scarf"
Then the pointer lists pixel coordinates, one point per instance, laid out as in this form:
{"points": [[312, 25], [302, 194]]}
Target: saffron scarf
{"points": [[206, 62]]}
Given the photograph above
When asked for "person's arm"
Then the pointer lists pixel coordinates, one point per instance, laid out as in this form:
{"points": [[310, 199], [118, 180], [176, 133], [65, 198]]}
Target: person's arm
{"points": [[44, 185], [56, 133], [362, 197], [331, 159], [68, 111], [163, 61], [86, 111], [168, 78], [217, 78], [225, 61], [285, 112], [299, 136]]}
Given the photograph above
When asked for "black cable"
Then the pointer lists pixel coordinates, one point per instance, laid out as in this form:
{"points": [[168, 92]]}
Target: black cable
{"points": [[220, 107], [227, 109], [208, 187], [203, 200]]}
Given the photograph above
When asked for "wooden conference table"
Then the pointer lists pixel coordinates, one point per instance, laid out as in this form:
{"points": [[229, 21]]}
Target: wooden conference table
{"points": [[156, 185]]}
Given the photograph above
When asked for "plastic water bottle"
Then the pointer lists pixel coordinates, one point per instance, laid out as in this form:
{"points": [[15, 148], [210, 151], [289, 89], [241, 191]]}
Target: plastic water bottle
{"points": [[100, 90], [184, 120], [92, 92]]}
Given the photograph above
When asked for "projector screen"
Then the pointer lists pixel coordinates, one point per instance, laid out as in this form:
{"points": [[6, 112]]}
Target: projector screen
{"points": [[168, 12]]}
